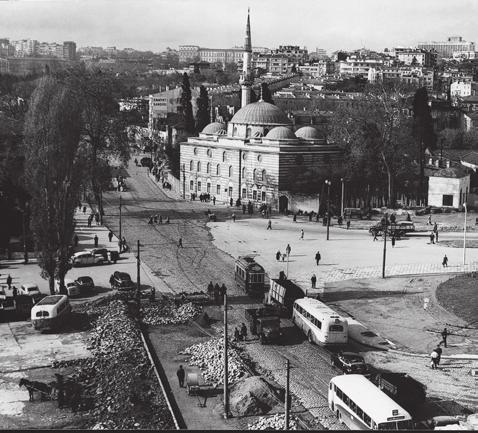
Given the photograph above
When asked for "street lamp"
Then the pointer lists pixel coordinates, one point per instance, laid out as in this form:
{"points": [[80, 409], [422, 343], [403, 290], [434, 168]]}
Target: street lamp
{"points": [[342, 198], [384, 244], [464, 238], [328, 183]]}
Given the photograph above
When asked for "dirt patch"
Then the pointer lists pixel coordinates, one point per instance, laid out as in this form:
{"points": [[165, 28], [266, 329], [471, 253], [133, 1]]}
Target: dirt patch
{"points": [[460, 295]]}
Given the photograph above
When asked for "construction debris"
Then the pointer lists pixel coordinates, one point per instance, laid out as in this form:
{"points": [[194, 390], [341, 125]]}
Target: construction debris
{"points": [[275, 422], [208, 356], [165, 312]]}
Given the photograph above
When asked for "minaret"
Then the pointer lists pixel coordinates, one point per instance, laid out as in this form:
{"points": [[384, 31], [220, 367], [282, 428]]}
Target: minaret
{"points": [[246, 76]]}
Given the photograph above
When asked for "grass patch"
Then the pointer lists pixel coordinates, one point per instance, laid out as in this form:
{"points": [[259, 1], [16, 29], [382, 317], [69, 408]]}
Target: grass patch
{"points": [[460, 296]]}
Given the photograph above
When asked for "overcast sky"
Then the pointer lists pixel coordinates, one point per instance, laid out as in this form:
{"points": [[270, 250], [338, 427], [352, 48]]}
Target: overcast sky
{"points": [[157, 24]]}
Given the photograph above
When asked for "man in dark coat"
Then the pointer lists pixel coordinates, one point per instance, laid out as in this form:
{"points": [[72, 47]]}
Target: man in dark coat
{"points": [[317, 257], [444, 335], [181, 375], [96, 241]]}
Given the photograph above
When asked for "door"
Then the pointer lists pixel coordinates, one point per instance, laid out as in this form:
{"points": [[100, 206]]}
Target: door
{"points": [[283, 204]]}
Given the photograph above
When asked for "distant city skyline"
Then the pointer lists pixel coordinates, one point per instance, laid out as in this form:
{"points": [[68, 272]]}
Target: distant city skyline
{"points": [[156, 24]]}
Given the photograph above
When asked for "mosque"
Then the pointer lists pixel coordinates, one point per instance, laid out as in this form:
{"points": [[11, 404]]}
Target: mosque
{"points": [[257, 156]]}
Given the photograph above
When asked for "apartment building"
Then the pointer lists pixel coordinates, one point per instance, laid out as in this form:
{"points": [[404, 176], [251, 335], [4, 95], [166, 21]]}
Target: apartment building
{"points": [[415, 57], [273, 64], [460, 88], [355, 65], [188, 53], [293, 53], [316, 69], [447, 48]]}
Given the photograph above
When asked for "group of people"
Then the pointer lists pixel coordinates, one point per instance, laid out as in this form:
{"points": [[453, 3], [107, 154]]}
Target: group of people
{"points": [[437, 352], [216, 292], [434, 233], [240, 335], [279, 255], [157, 219], [93, 215]]}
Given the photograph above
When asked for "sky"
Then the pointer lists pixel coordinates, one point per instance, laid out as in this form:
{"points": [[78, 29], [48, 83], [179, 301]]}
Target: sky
{"points": [[157, 24]]}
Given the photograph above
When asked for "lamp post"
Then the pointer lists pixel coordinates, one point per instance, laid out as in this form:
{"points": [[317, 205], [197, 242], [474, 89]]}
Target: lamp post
{"points": [[464, 238], [342, 198], [384, 245], [328, 183]]}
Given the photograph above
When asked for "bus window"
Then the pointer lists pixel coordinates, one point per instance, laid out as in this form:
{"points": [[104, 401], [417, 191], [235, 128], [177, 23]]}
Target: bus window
{"points": [[345, 399], [366, 419], [336, 328], [339, 393]]}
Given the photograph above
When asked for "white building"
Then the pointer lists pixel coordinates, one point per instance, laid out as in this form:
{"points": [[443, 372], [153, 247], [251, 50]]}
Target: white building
{"points": [[460, 88], [448, 187], [358, 66], [315, 70]]}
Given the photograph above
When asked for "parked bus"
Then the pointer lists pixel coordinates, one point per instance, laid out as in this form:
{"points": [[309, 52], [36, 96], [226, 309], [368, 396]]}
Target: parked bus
{"points": [[321, 324], [360, 405], [51, 312], [250, 276]]}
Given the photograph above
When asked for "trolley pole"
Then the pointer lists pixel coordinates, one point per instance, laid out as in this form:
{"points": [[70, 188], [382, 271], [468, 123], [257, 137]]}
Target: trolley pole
{"points": [[384, 245], [138, 274], [226, 373], [120, 231], [328, 183], [464, 240], [287, 381]]}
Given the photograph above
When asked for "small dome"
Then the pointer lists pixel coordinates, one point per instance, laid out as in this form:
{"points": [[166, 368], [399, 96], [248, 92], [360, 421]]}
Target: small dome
{"points": [[281, 133], [214, 128], [261, 113], [308, 133]]}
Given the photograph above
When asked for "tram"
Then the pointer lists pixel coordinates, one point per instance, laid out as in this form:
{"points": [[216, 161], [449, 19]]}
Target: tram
{"points": [[250, 276]]}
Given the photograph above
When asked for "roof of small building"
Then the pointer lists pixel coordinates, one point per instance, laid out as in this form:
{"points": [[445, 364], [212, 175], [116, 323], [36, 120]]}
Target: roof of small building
{"points": [[261, 113], [281, 133], [454, 172], [470, 158], [214, 128], [308, 133]]}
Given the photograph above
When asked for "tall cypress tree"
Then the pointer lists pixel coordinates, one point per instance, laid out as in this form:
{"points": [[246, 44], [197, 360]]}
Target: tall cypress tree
{"points": [[187, 108], [266, 93], [202, 116]]}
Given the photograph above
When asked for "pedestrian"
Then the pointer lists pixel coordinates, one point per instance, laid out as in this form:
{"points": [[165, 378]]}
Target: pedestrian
{"points": [[214, 200], [120, 246], [269, 225], [294, 218], [375, 233], [432, 238], [434, 360], [278, 255], [96, 241], [393, 241], [243, 331], [181, 374], [435, 230], [237, 335], [84, 209], [156, 219], [160, 219], [317, 258], [76, 240], [429, 222], [310, 216], [445, 261], [233, 217], [180, 243], [283, 257], [439, 351], [313, 280], [15, 291], [302, 234], [288, 249], [110, 236], [348, 224], [152, 295], [89, 220], [124, 245], [244, 209], [210, 290], [231, 202], [9, 281], [97, 218], [167, 220], [444, 335]]}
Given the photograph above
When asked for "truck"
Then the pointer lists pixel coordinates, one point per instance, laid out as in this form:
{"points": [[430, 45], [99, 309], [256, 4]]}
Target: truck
{"points": [[264, 322], [282, 293]]}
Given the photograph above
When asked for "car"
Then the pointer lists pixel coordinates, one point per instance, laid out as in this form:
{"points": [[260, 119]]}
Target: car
{"points": [[405, 226], [85, 258], [85, 283], [146, 162], [349, 362], [121, 281], [103, 252], [72, 288], [3, 295], [29, 289]]}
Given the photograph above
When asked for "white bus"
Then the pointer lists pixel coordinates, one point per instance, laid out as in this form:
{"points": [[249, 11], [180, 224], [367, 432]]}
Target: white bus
{"points": [[321, 324], [51, 312], [360, 405]]}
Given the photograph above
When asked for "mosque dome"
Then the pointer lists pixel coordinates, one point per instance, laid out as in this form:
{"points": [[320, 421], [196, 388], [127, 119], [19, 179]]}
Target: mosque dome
{"points": [[260, 113], [308, 133], [214, 128], [281, 133]]}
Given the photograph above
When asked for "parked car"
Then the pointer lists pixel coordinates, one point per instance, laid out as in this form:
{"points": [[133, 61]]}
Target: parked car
{"points": [[121, 281], [103, 252], [85, 258], [29, 289], [146, 162], [349, 362], [72, 288], [3, 295], [86, 284]]}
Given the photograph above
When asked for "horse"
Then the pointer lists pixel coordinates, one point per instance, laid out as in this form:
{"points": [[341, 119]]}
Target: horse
{"points": [[32, 386]]}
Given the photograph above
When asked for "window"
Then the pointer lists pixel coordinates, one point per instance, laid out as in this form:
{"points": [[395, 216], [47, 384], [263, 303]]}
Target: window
{"points": [[191, 166], [254, 195], [263, 175], [254, 174], [208, 167], [191, 185], [248, 131], [224, 156], [244, 194], [263, 196], [230, 191], [199, 166], [199, 186], [259, 158], [447, 200], [234, 131], [366, 419], [208, 188], [230, 171], [218, 189], [209, 153], [244, 156], [244, 172], [218, 170], [336, 328], [195, 151]]}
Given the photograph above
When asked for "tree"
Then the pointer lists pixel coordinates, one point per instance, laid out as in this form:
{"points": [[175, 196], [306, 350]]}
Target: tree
{"points": [[187, 108], [53, 171], [202, 115], [266, 93], [375, 135]]}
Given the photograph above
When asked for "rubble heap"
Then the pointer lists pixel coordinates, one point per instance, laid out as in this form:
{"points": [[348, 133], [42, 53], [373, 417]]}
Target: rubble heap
{"points": [[165, 312], [275, 422], [208, 357], [119, 377]]}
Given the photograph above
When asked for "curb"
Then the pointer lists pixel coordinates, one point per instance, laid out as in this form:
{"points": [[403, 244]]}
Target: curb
{"points": [[450, 357]]}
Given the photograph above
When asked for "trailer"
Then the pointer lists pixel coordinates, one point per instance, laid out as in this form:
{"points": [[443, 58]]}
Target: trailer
{"points": [[283, 293], [264, 322]]}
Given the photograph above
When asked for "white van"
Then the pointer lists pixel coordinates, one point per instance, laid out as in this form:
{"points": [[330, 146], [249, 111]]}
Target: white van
{"points": [[72, 287]]}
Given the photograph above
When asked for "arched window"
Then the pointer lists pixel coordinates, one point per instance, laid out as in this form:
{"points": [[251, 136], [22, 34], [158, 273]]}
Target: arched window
{"points": [[254, 174], [218, 170], [224, 156], [191, 166], [208, 167], [248, 131], [199, 166], [244, 172], [209, 153], [230, 171], [263, 175], [234, 131]]}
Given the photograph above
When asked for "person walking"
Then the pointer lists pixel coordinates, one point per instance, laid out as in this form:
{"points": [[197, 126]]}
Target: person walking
{"points": [[15, 292], [180, 243], [429, 222], [393, 241], [288, 249], [237, 335], [317, 258], [435, 230], [439, 351], [124, 245], [348, 224], [432, 238], [96, 241], [110, 236], [278, 255], [283, 257], [313, 280], [269, 225], [375, 233], [84, 209], [214, 200], [444, 335], [434, 359], [302, 234], [243, 331], [9, 281], [160, 219], [231, 202], [167, 219], [445, 261], [181, 375], [76, 239], [233, 217]]}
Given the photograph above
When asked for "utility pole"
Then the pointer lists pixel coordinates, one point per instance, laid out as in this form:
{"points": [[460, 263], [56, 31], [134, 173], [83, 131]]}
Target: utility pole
{"points": [[25, 250], [328, 183], [138, 274], [464, 239], [120, 232], [384, 244], [226, 373], [342, 201], [287, 380]]}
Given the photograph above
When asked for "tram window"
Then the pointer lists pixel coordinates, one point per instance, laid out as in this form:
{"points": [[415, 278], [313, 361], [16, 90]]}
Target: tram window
{"points": [[353, 406], [339, 393], [360, 413], [367, 419], [345, 399], [336, 328]]}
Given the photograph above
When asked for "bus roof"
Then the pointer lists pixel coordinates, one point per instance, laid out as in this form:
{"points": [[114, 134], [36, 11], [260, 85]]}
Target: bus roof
{"points": [[51, 300], [369, 398], [317, 308]]}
